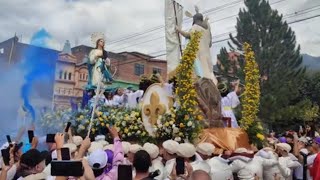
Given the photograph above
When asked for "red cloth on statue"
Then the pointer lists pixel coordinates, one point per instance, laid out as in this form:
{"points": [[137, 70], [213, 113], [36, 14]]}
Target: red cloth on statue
{"points": [[315, 170]]}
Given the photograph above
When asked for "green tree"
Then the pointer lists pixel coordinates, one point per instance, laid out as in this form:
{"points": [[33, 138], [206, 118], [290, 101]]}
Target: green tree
{"points": [[311, 87], [277, 55], [229, 69]]}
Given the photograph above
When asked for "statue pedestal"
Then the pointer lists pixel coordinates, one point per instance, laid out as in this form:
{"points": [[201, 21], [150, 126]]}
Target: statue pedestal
{"points": [[226, 138]]}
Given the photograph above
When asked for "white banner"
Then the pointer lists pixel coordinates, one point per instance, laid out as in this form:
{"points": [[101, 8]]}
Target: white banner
{"points": [[173, 17]]}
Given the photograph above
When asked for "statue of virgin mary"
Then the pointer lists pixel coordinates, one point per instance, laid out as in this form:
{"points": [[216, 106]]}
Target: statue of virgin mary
{"points": [[99, 63]]}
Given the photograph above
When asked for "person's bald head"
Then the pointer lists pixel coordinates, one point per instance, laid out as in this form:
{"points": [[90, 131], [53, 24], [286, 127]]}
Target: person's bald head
{"points": [[199, 175]]}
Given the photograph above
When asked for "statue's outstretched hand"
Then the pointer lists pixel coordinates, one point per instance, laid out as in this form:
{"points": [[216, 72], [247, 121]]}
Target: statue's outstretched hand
{"points": [[178, 29]]}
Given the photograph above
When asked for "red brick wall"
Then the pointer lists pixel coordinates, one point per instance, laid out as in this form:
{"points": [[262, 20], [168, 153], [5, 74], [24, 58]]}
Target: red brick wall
{"points": [[126, 68]]}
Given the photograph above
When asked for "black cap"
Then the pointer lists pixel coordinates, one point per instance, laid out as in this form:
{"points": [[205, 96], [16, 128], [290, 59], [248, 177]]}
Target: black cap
{"points": [[33, 157]]}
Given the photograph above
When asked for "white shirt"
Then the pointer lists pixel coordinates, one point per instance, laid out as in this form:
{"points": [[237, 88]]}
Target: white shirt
{"points": [[271, 171], [12, 171], [201, 165], [109, 102], [157, 165], [132, 98], [286, 165], [118, 100], [227, 104], [220, 168], [169, 89], [249, 169], [168, 167], [45, 174], [310, 160]]}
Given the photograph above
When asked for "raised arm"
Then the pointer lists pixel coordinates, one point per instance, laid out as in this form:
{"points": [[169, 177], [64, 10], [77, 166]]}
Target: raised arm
{"points": [[183, 33]]}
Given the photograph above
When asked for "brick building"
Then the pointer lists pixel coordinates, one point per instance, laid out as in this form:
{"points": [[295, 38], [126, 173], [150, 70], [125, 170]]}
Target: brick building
{"points": [[127, 66], [71, 73]]}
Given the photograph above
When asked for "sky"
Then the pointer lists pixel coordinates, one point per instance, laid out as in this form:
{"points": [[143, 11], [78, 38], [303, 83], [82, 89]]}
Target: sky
{"points": [[76, 20]]}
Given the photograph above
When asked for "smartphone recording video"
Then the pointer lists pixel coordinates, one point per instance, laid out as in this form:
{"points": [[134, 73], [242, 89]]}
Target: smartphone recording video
{"points": [[30, 135], [67, 168], [180, 165], [68, 126], [50, 138], [5, 156], [65, 154], [124, 172], [9, 139]]}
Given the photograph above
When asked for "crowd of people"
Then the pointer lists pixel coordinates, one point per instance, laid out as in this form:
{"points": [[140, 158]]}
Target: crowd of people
{"points": [[120, 98], [126, 97], [292, 156]]}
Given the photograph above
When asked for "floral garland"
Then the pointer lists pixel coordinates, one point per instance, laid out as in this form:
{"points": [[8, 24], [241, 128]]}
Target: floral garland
{"points": [[188, 114], [127, 121], [187, 96], [251, 97]]}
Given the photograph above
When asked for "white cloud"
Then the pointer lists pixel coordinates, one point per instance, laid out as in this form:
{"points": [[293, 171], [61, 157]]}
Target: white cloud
{"points": [[77, 19]]}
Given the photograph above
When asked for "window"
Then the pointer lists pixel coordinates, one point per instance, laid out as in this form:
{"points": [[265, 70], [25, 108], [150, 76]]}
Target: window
{"points": [[70, 76], [156, 70], [87, 77], [65, 75], [138, 69], [81, 76], [60, 74]]}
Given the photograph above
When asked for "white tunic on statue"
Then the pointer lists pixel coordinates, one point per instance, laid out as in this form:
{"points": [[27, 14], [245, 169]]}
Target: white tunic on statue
{"points": [[204, 55], [220, 168], [227, 104], [157, 165], [96, 72]]}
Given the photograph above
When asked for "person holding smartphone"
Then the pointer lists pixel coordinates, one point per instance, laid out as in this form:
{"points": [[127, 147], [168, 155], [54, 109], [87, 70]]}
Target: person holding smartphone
{"points": [[98, 159], [141, 163], [170, 149], [156, 161], [32, 162]]}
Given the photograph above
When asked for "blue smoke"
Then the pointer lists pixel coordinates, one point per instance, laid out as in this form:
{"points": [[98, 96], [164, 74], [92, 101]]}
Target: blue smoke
{"points": [[39, 64], [41, 38]]}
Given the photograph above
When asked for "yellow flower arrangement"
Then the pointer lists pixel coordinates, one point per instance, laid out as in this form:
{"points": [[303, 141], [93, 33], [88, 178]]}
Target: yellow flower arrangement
{"points": [[260, 136], [251, 96], [183, 122], [187, 96]]}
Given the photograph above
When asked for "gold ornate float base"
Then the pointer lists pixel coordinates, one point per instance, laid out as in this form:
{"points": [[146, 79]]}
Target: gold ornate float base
{"points": [[225, 138]]}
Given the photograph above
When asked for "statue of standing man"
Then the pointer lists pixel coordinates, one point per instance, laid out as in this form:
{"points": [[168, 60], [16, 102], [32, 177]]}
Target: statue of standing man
{"points": [[203, 56]]}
